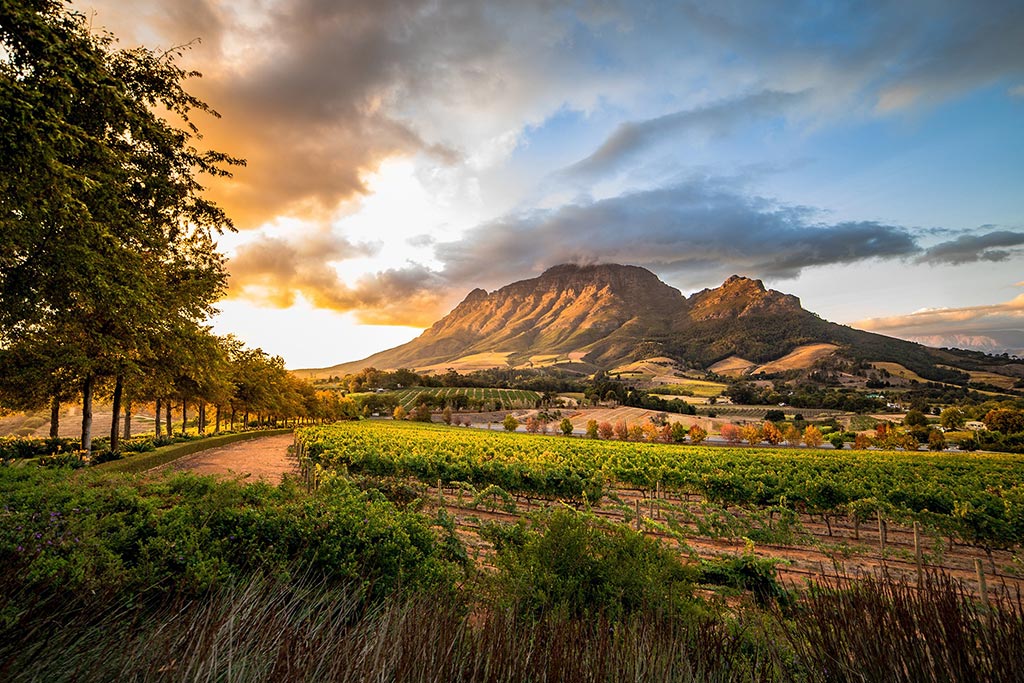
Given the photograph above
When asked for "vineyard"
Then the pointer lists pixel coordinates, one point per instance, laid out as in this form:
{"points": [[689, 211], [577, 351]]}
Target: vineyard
{"points": [[812, 508], [498, 399]]}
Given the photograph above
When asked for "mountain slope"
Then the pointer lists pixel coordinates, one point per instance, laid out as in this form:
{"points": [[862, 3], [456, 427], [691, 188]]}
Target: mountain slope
{"points": [[606, 315]]}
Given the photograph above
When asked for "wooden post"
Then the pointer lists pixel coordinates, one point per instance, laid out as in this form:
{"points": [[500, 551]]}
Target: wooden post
{"points": [[881, 534], [982, 584], [917, 552], [440, 494], [637, 514]]}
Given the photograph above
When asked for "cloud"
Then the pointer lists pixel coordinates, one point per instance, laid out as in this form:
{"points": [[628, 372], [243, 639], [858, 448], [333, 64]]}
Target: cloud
{"points": [[274, 272], [946, 321], [317, 93], [694, 232], [991, 247], [633, 138]]}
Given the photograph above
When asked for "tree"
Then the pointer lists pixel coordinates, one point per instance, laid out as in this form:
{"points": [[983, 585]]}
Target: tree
{"points": [[650, 432], [952, 418], [936, 440], [791, 435], [836, 440], [592, 429], [510, 423], [399, 413], [566, 426], [698, 434], [421, 413], [771, 433], [605, 430], [915, 418], [622, 430], [1005, 420], [679, 432], [446, 415], [107, 238], [813, 437], [731, 433], [752, 434]]}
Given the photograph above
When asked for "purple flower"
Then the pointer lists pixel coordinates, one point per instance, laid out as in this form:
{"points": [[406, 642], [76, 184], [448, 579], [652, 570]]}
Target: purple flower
{"points": [[38, 535], [20, 549]]}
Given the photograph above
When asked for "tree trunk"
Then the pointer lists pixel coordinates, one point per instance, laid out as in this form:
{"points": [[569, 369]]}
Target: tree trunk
{"points": [[54, 417], [184, 415], [128, 419], [232, 419], [202, 417], [156, 428], [115, 414], [86, 444], [216, 429], [245, 421], [167, 412]]}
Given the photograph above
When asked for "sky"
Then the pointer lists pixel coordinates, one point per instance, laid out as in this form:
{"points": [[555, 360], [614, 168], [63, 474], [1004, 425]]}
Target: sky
{"points": [[867, 157]]}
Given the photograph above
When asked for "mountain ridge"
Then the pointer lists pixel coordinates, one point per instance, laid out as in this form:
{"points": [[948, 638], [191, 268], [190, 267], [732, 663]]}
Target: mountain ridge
{"points": [[600, 316]]}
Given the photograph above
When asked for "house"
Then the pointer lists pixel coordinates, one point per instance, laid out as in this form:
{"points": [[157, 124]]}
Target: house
{"points": [[975, 426]]}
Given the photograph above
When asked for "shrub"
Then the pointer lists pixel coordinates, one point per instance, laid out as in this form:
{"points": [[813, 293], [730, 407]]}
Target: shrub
{"points": [[572, 561]]}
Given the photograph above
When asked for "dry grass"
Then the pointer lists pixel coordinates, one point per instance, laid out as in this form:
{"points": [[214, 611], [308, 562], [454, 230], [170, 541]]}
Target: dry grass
{"points": [[799, 358], [471, 363], [897, 370], [733, 366]]}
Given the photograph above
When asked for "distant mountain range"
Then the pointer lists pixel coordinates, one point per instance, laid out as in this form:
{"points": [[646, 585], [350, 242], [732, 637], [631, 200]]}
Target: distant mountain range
{"points": [[603, 316]]}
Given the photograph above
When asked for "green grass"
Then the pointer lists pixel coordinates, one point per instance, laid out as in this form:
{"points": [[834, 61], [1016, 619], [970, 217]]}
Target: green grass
{"points": [[509, 398], [165, 454]]}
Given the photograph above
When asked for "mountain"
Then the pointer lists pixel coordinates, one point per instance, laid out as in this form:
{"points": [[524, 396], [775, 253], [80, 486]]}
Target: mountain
{"points": [[602, 316], [987, 341]]}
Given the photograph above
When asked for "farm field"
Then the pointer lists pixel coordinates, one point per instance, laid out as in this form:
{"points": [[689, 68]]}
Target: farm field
{"points": [[699, 388], [819, 513], [508, 398]]}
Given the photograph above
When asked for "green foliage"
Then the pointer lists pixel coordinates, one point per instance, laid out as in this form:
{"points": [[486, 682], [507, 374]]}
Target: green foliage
{"points": [[747, 572], [914, 485], [188, 533], [566, 426], [915, 418], [510, 423], [19, 448], [572, 562]]}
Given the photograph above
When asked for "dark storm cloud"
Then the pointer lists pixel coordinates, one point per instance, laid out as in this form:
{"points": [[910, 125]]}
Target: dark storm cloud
{"points": [[630, 140], [993, 246], [694, 232]]}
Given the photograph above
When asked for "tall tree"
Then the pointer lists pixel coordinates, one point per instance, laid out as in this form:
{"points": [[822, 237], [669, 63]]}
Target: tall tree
{"points": [[106, 236]]}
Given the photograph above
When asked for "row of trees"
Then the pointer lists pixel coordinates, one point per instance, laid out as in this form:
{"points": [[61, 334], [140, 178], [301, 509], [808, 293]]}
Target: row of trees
{"points": [[108, 264]]}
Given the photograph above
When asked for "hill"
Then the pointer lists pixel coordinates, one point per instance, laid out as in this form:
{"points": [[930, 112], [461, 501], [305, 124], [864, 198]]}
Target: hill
{"points": [[602, 316]]}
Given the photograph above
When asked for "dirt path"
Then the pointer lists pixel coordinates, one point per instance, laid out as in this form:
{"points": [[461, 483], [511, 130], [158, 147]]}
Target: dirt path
{"points": [[264, 458]]}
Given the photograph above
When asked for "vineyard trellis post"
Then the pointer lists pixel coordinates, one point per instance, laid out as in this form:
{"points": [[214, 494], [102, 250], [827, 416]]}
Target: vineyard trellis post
{"points": [[917, 552], [881, 534], [637, 514], [982, 583]]}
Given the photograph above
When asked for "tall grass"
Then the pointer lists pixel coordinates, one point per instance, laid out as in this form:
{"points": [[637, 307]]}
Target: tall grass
{"points": [[269, 631], [877, 629], [263, 630]]}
